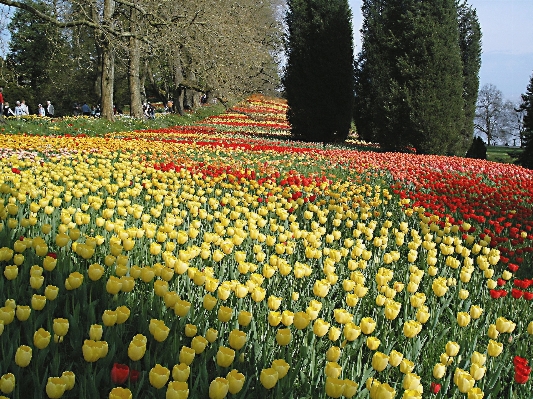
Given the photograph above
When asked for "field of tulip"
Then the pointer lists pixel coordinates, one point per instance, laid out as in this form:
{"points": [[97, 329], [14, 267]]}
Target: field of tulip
{"points": [[218, 260]]}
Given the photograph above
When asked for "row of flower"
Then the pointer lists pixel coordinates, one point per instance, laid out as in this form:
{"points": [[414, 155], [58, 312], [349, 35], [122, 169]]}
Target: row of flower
{"points": [[183, 263]]}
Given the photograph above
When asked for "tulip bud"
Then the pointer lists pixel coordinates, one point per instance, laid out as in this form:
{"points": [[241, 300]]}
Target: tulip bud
{"points": [[41, 338], [158, 376], [236, 381], [268, 377], [23, 356], [7, 383], [218, 388], [55, 387], [225, 356], [120, 393]]}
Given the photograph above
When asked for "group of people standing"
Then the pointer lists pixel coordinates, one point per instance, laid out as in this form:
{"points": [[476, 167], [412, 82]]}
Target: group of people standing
{"points": [[22, 109]]}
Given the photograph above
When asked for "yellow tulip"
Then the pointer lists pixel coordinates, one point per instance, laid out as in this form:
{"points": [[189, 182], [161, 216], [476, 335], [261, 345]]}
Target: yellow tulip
{"points": [[91, 350], [198, 343], [11, 272], [23, 356], [120, 393], [224, 314], [333, 354], [281, 366], [439, 286], [218, 388], [368, 325], [209, 302], [411, 328], [503, 325], [158, 376], [334, 387], [380, 361], [392, 309], [69, 378], [244, 318], [475, 393], [236, 381], [181, 372], [177, 390], [382, 391], [334, 333], [109, 318], [406, 366], [478, 358], [158, 329], [439, 370], [7, 383], [136, 350], [190, 330], [274, 318], [225, 356], [410, 381], [477, 372], [350, 388], [493, 331], [55, 387], [351, 331], [73, 281], [373, 343], [187, 355], [494, 348], [268, 377], [51, 292], [395, 358], [23, 312], [41, 338], [422, 314], [333, 369], [60, 327], [465, 382], [463, 319], [301, 320], [181, 308], [452, 348], [237, 339], [530, 328], [274, 302], [475, 312], [211, 335], [95, 271], [36, 282], [320, 327], [123, 314], [95, 332], [283, 336]]}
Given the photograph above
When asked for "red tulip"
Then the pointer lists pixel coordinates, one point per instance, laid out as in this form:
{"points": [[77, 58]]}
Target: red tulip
{"points": [[435, 387], [119, 373]]}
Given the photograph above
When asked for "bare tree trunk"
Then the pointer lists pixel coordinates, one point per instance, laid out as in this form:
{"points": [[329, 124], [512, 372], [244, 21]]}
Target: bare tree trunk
{"points": [[135, 66], [178, 92], [108, 66]]}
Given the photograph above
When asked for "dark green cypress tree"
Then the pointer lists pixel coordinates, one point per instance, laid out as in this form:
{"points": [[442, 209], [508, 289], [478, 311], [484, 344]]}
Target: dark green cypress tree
{"points": [[526, 158], [409, 78], [319, 75], [470, 44], [32, 46]]}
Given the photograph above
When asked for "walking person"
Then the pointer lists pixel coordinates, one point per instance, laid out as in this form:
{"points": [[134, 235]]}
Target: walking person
{"points": [[25, 109], [18, 109], [49, 109], [7, 110], [1, 101], [41, 111]]}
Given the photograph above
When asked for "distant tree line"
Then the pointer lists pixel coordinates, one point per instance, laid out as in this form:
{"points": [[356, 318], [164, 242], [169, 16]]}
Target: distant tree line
{"points": [[127, 51]]}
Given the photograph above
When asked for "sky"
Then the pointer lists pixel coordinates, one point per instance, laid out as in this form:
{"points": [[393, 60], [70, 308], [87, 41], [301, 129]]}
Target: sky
{"points": [[507, 43]]}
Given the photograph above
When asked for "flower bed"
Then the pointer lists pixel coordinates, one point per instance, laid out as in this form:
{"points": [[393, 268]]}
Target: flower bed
{"points": [[191, 262]]}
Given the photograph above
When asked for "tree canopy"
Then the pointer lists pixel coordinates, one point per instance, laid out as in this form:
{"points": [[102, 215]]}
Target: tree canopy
{"points": [[318, 79], [411, 78]]}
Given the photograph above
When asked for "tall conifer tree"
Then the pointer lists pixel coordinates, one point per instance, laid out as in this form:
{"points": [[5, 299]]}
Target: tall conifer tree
{"points": [[409, 77], [526, 158], [470, 44], [319, 76]]}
